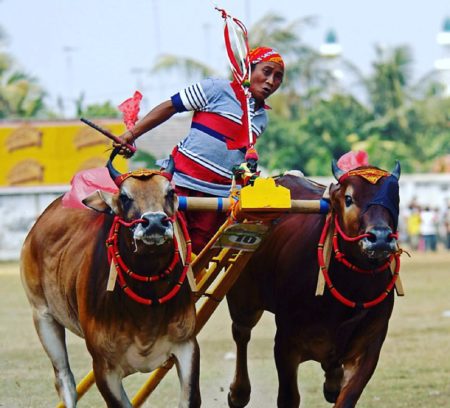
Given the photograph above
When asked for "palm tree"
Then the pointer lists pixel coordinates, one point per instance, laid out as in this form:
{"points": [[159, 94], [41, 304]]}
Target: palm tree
{"points": [[306, 77], [20, 94], [188, 67], [388, 86], [409, 121]]}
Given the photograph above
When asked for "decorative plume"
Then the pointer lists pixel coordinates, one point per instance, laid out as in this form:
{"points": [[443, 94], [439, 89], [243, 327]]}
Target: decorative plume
{"points": [[130, 109], [352, 160]]}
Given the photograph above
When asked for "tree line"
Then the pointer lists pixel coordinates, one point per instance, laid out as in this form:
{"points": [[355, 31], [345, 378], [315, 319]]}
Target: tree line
{"points": [[314, 116]]}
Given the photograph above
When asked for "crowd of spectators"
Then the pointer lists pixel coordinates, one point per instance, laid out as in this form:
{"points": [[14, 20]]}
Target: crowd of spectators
{"points": [[425, 228]]}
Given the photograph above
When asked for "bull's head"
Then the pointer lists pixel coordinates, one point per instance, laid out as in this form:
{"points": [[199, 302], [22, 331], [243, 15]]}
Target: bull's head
{"points": [[366, 203], [143, 194]]}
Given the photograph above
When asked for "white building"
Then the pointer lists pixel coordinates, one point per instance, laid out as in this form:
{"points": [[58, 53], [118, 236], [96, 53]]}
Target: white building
{"points": [[331, 51], [442, 65]]}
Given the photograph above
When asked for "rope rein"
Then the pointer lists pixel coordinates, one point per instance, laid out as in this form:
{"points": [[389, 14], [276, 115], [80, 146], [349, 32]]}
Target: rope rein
{"points": [[341, 258], [112, 244]]}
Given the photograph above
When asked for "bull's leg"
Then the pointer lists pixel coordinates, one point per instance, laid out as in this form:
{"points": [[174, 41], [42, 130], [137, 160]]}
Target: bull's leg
{"points": [[333, 379], [358, 369], [240, 388], [188, 367], [245, 311], [52, 336], [109, 383], [287, 360]]}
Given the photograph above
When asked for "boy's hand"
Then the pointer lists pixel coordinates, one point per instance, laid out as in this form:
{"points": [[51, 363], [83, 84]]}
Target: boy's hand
{"points": [[126, 138]]}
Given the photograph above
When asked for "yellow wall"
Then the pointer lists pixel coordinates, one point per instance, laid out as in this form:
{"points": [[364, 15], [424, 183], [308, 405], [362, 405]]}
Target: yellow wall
{"points": [[38, 153]]}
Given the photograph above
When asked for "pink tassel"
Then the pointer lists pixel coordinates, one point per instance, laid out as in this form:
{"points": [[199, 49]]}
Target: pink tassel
{"points": [[130, 109], [251, 154], [352, 160]]}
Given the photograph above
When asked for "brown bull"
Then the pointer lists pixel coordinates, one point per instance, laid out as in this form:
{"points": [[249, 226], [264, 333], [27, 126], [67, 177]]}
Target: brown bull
{"points": [[65, 270], [345, 328]]}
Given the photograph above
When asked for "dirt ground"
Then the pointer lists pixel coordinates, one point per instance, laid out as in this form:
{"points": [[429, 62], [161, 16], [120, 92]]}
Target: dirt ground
{"points": [[413, 371]]}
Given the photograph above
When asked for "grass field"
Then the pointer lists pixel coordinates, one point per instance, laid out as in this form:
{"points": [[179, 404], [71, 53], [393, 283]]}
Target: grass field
{"points": [[413, 371]]}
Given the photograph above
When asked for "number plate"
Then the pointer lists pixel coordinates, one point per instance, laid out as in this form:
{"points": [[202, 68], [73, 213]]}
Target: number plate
{"points": [[246, 237]]}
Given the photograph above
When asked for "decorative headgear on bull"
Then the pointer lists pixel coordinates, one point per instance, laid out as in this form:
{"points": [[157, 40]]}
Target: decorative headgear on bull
{"points": [[387, 196]]}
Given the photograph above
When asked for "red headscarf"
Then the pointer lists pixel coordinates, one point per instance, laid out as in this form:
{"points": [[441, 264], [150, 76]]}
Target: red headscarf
{"points": [[256, 55], [265, 54]]}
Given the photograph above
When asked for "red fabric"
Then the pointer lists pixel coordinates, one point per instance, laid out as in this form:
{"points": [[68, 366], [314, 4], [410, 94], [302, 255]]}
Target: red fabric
{"points": [[241, 137], [352, 160], [265, 54], [256, 55], [86, 182], [201, 225], [185, 165], [234, 133], [130, 109], [239, 69]]}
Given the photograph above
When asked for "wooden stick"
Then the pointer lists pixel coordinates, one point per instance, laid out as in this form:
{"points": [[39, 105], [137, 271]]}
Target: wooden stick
{"points": [[223, 205], [108, 134], [327, 249]]}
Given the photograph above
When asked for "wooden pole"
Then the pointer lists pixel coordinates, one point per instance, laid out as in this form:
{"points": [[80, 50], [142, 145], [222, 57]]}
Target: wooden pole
{"points": [[223, 205], [82, 387], [236, 262]]}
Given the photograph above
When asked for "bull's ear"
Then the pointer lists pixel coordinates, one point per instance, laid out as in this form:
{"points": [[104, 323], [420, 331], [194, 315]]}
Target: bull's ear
{"points": [[101, 201]]}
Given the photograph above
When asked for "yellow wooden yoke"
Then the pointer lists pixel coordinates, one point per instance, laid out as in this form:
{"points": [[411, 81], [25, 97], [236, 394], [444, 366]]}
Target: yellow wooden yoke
{"points": [[217, 267]]}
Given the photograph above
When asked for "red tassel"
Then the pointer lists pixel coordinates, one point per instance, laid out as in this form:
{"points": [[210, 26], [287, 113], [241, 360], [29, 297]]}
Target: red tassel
{"points": [[251, 154]]}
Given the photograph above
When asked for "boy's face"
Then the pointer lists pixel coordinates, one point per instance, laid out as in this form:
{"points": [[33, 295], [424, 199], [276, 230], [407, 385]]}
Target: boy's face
{"points": [[266, 78]]}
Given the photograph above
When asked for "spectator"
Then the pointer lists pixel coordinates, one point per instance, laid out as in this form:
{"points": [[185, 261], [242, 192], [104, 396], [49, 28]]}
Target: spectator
{"points": [[447, 226], [413, 226], [428, 228]]}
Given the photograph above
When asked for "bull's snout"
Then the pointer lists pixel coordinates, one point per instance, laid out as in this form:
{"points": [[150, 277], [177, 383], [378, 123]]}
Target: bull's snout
{"points": [[380, 243], [156, 229], [155, 223]]}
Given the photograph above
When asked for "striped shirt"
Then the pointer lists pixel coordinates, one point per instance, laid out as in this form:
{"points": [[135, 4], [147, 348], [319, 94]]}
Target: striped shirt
{"points": [[202, 160]]}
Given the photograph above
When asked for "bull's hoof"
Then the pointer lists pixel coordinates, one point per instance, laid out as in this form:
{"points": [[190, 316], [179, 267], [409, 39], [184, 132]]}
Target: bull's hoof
{"points": [[231, 404], [330, 395]]}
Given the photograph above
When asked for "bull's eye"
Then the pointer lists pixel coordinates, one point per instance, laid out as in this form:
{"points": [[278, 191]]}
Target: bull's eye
{"points": [[126, 201], [348, 200]]}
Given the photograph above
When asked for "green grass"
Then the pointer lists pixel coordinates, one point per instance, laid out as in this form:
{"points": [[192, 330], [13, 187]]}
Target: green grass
{"points": [[413, 371]]}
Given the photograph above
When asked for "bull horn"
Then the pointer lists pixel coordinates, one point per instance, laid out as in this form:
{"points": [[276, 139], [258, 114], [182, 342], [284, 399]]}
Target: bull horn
{"points": [[397, 170], [337, 172], [112, 171], [170, 166]]}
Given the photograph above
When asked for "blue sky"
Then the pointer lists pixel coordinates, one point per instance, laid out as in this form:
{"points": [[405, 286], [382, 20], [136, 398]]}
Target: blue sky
{"points": [[104, 48]]}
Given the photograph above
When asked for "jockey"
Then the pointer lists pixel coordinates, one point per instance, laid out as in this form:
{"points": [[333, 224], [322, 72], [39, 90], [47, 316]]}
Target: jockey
{"points": [[205, 158]]}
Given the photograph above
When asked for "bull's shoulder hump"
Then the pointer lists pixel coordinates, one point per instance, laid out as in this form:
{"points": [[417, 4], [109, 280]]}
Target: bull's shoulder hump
{"points": [[301, 187]]}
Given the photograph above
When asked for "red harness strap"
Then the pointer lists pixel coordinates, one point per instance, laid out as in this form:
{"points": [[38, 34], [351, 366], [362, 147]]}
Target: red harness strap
{"points": [[114, 256], [340, 257]]}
